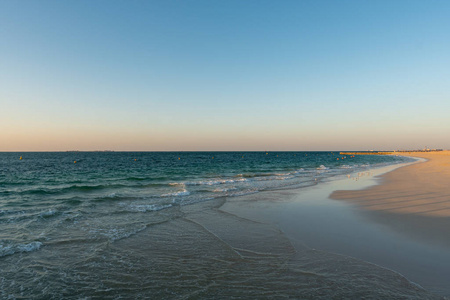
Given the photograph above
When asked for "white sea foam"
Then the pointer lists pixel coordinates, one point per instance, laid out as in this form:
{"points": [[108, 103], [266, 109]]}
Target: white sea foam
{"points": [[272, 178], [322, 167], [11, 249], [283, 177], [183, 192], [221, 181], [209, 182], [147, 207], [282, 174], [219, 190], [301, 170], [29, 247], [346, 167]]}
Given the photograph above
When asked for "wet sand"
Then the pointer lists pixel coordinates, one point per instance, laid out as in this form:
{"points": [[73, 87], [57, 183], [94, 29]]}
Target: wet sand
{"points": [[420, 189], [414, 245], [414, 200]]}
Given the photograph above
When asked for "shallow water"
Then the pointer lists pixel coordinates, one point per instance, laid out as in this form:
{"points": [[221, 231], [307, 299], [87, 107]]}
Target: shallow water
{"points": [[110, 226], [109, 195]]}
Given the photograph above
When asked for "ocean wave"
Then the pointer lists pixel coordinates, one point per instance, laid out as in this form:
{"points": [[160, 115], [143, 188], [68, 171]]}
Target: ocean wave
{"points": [[273, 178], [73, 201], [220, 181], [114, 197], [301, 170], [14, 216], [150, 185], [147, 207], [47, 213], [87, 188], [283, 177], [183, 192], [346, 167], [62, 190], [11, 249], [209, 182], [136, 178], [322, 167], [224, 190], [255, 175]]}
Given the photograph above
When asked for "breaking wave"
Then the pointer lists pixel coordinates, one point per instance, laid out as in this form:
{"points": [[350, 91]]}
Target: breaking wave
{"points": [[19, 248]]}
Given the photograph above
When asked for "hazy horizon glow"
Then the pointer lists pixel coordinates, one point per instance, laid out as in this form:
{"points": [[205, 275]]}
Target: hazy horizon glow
{"points": [[225, 75]]}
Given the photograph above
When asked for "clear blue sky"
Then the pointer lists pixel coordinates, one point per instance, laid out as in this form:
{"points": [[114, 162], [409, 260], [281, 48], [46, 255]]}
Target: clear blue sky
{"points": [[224, 75]]}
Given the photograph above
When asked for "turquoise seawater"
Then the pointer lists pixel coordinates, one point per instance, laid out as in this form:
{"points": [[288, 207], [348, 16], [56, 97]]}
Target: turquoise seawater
{"points": [[144, 224], [43, 185], [53, 181]]}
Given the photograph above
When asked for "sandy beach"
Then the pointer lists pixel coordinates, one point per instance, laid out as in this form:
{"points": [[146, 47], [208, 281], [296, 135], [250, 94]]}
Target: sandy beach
{"points": [[414, 199], [421, 189], [394, 217]]}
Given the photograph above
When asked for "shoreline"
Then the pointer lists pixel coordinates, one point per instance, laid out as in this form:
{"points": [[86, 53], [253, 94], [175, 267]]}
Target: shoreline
{"points": [[413, 201], [281, 243], [413, 193], [309, 217], [429, 177]]}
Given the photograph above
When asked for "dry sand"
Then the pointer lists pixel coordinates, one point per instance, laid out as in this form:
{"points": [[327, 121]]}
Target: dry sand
{"points": [[420, 189], [414, 199]]}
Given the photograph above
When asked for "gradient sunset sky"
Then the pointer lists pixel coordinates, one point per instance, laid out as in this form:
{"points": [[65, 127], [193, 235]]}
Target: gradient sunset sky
{"points": [[224, 75]]}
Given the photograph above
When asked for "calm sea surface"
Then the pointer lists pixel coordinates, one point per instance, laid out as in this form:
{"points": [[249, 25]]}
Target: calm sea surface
{"points": [[146, 224]]}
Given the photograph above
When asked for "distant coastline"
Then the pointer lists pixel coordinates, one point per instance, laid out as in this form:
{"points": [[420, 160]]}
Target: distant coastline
{"points": [[393, 152]]}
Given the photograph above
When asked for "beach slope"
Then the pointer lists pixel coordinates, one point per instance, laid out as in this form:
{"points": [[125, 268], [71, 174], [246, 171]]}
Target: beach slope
{"points": [[414, 199]]}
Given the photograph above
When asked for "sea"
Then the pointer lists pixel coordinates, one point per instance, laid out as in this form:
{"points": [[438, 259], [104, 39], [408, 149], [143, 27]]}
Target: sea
{"points": [[148, 225]]}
